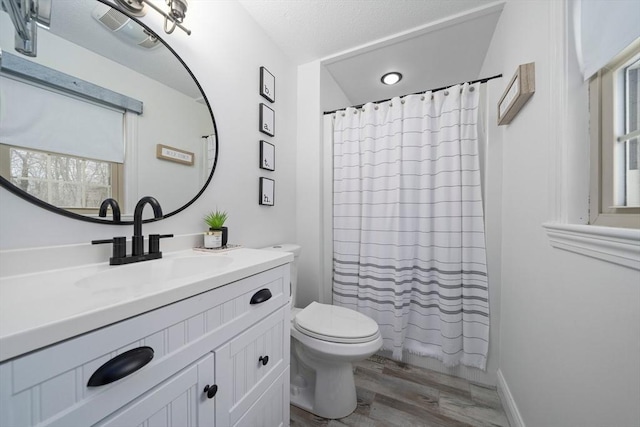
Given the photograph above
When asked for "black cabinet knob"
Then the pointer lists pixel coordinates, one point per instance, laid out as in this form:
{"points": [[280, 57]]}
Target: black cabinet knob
{"points": [[211, 390], [264, 360]]}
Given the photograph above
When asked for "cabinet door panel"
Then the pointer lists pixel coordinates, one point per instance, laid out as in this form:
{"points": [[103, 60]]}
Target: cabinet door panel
{"points": [[242, 370], [272, 408], [178, 402]]}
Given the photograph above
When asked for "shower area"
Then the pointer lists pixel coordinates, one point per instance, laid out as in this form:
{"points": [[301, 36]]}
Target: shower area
{"points": [[408, 223], [401, 190]]}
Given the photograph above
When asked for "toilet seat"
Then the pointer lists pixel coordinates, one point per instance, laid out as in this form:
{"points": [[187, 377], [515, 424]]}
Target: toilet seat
{"points": [[335, 324]]}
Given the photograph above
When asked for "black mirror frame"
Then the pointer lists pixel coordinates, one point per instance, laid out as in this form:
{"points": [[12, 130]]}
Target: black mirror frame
{"points": [[42, 204]]}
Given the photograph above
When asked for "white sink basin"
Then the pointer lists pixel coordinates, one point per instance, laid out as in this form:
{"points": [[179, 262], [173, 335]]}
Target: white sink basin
{"points": [[147, 276]]}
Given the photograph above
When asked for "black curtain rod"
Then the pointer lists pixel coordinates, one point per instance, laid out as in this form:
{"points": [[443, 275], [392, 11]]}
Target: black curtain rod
{"points": [[497, 76]]}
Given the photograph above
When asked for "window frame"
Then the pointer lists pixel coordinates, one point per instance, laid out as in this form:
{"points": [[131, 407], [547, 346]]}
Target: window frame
{"points": [[602, 128], [117, 175], [568, 227]]}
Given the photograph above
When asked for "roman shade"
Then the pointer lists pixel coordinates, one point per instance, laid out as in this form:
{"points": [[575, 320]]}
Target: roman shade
{"points": [[603, 28], [35, 117]]}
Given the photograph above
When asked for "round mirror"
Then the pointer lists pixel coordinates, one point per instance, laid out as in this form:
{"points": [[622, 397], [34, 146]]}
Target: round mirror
{"points": [[105, 110]]}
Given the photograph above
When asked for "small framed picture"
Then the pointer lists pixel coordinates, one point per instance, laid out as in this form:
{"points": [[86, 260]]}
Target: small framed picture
{"points": [[267, 191], [267, 120], [520, 89], [267, 85], [172, 154], [267, 156]]}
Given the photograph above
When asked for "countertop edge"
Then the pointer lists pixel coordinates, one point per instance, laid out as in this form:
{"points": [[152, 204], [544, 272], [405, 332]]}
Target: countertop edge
{"points": [[23, 342]]}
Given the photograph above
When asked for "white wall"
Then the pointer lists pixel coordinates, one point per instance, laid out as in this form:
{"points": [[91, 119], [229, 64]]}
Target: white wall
{"points": [[309, 196], [317, 92], [224, 52], [332, 97], [570, 325]]}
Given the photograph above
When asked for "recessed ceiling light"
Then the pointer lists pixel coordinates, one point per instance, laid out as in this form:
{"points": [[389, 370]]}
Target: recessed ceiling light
{"points": [[391, 78]]}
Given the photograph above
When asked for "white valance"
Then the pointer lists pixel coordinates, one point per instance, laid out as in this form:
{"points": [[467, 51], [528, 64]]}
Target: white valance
{"points": [[38, 118], [603, 28]]}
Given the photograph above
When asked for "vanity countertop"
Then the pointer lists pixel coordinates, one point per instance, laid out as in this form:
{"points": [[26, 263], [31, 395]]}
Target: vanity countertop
{"points": [[43, 308]]}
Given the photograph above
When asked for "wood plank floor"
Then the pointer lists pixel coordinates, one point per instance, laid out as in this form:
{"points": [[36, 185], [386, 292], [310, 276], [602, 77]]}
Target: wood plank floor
{"points": [[396, 394]]}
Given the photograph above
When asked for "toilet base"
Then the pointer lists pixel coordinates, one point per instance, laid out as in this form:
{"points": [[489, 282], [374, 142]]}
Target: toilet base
{"points": [[302, 397], [330, 395]]}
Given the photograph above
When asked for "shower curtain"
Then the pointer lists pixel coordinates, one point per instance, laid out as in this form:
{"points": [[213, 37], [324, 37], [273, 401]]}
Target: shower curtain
{"points": [[209, 155], [408, 233]]}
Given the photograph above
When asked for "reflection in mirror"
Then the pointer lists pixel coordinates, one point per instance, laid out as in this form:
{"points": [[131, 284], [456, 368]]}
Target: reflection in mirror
{"points": [[83, 120]]}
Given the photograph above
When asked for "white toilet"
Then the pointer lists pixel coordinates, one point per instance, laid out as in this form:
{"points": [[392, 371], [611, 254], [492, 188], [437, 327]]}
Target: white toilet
{"points": [[325, 340]]}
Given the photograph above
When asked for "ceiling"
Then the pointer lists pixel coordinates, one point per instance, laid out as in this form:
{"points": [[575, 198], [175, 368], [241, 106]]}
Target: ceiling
{"points": [[433, 43]]}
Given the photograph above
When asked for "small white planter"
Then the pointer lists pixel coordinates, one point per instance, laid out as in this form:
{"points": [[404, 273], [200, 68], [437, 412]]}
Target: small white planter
{"points": [[213, 239]]}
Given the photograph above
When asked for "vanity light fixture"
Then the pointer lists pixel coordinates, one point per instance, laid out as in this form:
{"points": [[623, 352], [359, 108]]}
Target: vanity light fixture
{"points": [[175, 15], [391, 78], [26, 15]]}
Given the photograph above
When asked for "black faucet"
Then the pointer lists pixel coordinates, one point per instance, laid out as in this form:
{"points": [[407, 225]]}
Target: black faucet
{"points": [[115, 209], [137, 241]]}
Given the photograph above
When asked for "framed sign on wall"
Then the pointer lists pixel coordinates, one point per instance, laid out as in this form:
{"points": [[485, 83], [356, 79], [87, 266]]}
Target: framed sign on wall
{"points": [[267, 156], [172, 154], [518, 91], [267, 85], [267, 120], [267, 191]]}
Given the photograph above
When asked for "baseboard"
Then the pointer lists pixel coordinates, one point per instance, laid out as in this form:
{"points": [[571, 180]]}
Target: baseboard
{"points": [[508, 403]]}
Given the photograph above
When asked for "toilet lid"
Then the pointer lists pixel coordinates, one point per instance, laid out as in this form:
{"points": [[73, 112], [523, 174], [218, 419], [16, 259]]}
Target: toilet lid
{"points": [[336, 324]]}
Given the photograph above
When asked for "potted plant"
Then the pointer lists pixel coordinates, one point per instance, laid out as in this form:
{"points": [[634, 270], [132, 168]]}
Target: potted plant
{"points": [[217, 235]]}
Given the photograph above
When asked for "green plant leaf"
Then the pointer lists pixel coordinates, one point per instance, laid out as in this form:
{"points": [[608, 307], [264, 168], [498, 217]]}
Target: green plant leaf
{"points": [[216, 219]]}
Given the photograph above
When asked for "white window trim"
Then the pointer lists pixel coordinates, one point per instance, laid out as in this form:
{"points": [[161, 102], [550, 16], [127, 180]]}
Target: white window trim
{"points": [[620, 246]]}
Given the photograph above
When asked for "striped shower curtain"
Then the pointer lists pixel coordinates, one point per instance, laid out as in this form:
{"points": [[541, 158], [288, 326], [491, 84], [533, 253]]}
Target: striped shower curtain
{"points": [[209, 155], [408, 234]]}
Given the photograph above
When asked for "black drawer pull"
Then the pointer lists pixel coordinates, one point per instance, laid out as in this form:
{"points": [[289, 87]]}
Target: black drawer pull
{"points": [[120, 366], [211, 390], [264, 360], [261, 296]]}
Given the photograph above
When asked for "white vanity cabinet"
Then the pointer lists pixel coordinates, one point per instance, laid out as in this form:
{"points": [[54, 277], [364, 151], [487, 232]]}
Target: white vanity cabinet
{"points": [[175, 402], [213, 339]]}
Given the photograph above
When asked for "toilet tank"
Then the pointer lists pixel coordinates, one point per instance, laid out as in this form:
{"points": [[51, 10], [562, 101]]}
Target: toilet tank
{"points": [[295, 250]]}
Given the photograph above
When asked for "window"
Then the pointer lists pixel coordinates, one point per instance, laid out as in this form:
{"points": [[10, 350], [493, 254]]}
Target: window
{"points": [[599, 32], [72, 164], [615, 131], [69, 182], [629, 140]]}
